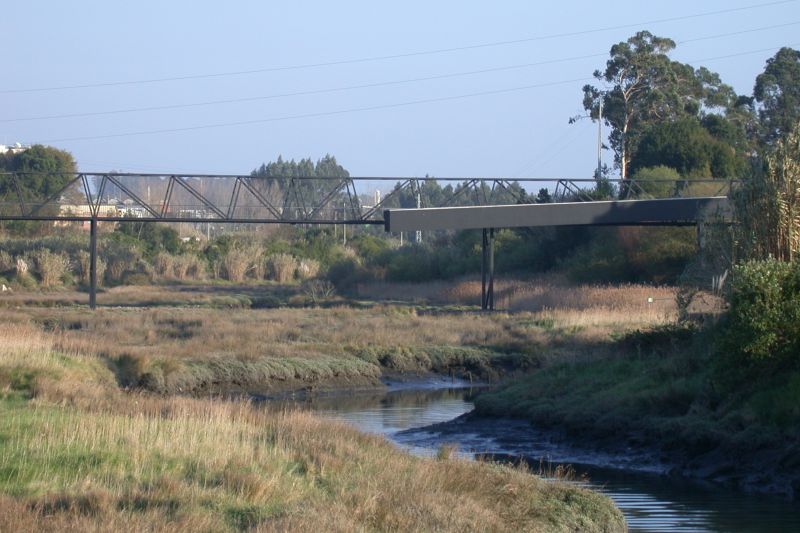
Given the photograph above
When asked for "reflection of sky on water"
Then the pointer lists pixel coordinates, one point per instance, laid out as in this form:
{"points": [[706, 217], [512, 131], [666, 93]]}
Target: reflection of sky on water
{"points": [[399, 410]]}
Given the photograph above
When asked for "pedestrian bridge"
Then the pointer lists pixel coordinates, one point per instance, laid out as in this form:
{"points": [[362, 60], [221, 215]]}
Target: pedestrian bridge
{"points": [[650, 212]]}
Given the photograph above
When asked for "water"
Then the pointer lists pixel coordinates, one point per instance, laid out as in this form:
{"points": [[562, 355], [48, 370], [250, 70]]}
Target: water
{"points": [[408, 415]]}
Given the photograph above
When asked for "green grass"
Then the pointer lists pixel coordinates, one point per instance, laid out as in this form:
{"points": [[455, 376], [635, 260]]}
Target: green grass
{"points": [[660, 384]]}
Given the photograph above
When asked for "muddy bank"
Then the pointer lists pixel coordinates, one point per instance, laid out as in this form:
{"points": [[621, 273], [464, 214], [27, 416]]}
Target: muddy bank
{"points": [[768, 471]]}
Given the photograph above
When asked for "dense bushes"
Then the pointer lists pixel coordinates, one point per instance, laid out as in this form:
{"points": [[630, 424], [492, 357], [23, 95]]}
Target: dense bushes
{"points": [[762, 335], [634, 254]]}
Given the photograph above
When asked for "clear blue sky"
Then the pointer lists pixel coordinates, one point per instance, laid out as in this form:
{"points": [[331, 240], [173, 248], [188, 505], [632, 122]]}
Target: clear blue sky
{"points": [[518, 133]]}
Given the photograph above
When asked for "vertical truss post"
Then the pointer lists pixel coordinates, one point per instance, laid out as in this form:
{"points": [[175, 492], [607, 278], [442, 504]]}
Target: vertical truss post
{"points": [[93, 263]]}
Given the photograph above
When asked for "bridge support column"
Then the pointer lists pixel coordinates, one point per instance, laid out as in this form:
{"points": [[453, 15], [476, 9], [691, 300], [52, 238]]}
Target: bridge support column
{"points": [[487, 270], [93, 264]]}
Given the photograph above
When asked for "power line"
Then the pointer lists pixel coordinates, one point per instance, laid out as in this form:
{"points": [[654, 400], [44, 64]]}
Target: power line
{"points": [[370, 85], [320, 114], [397, 56], [566, 136], [304, 93], [361, 109]]}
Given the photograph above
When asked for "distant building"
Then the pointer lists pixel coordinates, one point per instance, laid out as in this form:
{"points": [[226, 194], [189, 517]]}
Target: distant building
{"points": [[85, 210], [14, 149], [130, 209]]}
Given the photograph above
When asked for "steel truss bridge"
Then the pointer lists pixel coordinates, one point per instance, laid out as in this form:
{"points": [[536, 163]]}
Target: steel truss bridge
{"points": [[238, 199]]}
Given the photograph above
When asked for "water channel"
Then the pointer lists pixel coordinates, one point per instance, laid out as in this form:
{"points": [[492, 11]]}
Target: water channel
{"points": [[411, 416]]}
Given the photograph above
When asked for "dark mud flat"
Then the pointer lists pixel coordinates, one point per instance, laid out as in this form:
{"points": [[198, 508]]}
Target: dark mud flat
{"points": [[518, 438], [645, 483], [769, 472]]}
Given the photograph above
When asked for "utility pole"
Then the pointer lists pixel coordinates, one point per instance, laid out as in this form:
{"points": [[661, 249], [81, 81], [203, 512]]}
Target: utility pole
{"points": [[600, 140], [419, 204]]}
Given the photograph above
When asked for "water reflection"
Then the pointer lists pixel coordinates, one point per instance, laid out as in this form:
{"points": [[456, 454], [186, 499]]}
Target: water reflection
{"points": [[388, 413], [650, 502]]}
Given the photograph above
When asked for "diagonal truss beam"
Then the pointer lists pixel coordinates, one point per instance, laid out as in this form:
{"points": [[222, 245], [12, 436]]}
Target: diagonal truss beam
{"points": [[199, 197], [133, 195]]}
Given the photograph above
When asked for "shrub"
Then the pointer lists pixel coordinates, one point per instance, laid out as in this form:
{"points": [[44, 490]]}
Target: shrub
{"points": [[84, 259], [658, 181], [7, 262], [120, 258], [188, 266], [307, 269], [25, 281], [180, 267], [318, 290], [50, 266], [235, 264], [239, 260], [163, 265], [763, 330], [345, 273], [21, 266], [282, 267]]}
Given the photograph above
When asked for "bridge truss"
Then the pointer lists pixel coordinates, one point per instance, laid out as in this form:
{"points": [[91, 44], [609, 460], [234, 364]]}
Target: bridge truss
{"points": [[298, 200]]}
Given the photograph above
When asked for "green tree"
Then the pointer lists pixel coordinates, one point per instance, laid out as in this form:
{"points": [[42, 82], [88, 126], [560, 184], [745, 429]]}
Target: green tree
{"points": [[777, 92], [686, 146], [43, 170], [643, 87], [302, 195], [154, 238], [657, 181]]}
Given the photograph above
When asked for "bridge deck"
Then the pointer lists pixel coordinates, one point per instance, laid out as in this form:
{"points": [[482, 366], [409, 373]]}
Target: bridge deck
{"points": [[662, 212]]}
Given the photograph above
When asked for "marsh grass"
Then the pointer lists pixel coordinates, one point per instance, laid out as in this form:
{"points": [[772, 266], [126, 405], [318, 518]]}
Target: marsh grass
{"points": [[205, 349], [134, 461]]}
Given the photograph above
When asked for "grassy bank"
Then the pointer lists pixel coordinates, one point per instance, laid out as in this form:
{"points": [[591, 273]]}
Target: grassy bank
{"points": [[197, 348], [79, 453], [660, 389]]}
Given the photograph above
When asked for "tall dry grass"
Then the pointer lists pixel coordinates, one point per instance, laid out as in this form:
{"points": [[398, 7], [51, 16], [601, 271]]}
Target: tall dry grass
{"points": [[544, 292]]}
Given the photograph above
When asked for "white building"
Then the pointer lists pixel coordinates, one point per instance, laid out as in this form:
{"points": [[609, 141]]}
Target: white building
{"points": [[14, 149]]}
